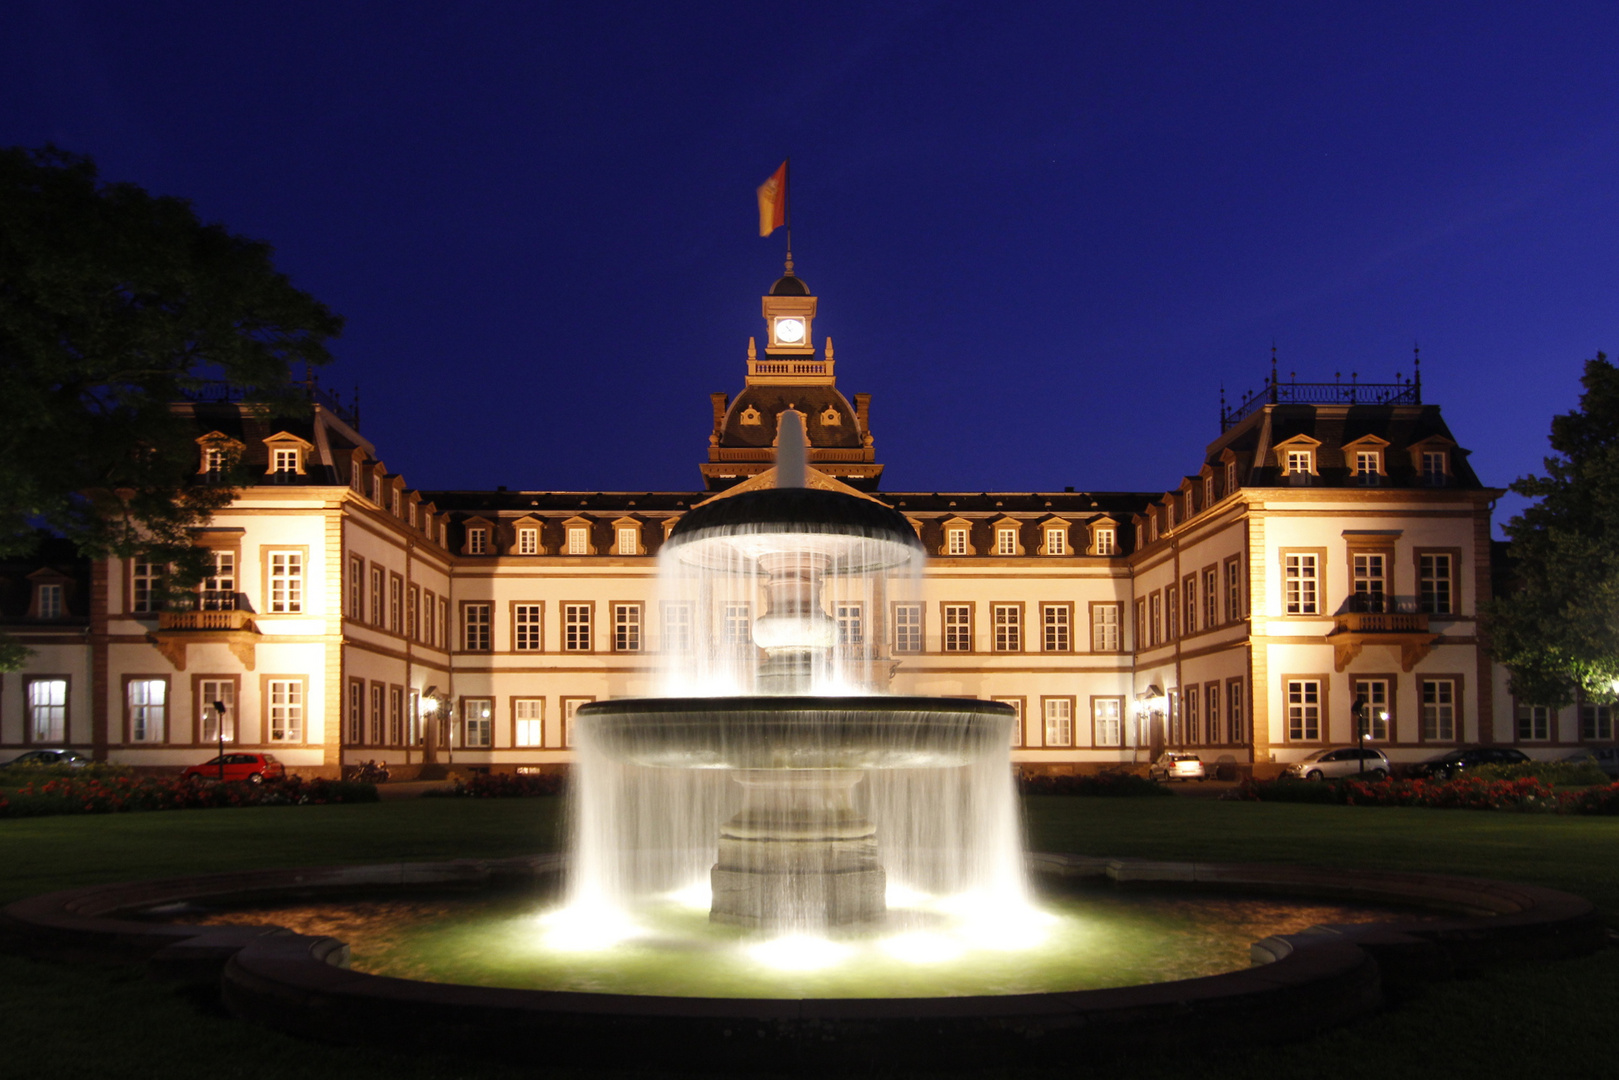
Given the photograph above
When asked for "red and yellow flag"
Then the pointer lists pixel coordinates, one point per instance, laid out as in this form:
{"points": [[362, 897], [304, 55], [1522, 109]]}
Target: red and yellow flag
{"points": [[773, 202]]}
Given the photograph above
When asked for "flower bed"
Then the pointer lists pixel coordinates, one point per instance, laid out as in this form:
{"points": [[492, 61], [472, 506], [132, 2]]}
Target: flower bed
{"points": [[503, 786], [1112, 784], [124, 794], [1525, 793]]}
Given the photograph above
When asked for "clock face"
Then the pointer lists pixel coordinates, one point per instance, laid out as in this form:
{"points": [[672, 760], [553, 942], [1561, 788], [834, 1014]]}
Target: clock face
{"points": [[790, 330]]}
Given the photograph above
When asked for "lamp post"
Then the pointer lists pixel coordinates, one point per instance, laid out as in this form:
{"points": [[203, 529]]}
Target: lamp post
{"points": [[429, 716], [219, 724], [1359, 712]]}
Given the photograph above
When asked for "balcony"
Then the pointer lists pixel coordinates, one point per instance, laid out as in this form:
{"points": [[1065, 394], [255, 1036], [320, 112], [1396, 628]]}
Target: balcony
{"points": [[1375, 619], [210, 617]]}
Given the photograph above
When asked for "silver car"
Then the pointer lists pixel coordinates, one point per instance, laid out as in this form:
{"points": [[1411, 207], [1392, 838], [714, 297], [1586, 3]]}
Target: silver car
{"points": [[1336, 763], [1177, 766]]}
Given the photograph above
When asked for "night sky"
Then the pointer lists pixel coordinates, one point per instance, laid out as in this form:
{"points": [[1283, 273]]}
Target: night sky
{"points": [[1043, 235]]}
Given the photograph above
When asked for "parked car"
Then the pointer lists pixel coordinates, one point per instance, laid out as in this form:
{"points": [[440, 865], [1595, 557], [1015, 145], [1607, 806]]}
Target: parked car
{"points": [[1174, 766], [71, 758], [1606, 758], [1450, 766], [1334, 763], [254, 768]]}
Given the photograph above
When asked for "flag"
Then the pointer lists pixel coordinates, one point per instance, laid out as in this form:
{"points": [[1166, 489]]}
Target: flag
{"points": [[773, 202]]}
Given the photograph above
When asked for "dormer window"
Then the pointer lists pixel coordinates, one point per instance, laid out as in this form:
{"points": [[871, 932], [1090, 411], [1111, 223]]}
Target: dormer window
{"points": [[1169, 515], [1435, 468], [1107, 542], [413, 515], [1300, 462], [1152, 526], [955, 542], [528, 541], [50, 601], [1208, 491], [284, 460], [1368, 467], [1056, 541], [395, 500], [376, 488], [1230, 477], [213, 460], [478, 541], [629, 540], [578, 540], [1006, 541]]}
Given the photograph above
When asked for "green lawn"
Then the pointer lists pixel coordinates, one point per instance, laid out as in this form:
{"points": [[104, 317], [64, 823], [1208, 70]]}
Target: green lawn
{"points": [[93, 1022]]}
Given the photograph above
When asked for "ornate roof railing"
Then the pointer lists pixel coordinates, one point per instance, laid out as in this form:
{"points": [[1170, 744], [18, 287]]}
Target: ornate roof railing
{"points": [[220, 390], [1338, 392]]}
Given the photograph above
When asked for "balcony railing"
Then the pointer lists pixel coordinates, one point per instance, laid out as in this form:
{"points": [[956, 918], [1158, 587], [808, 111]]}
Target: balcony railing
{"points": [[1353, 392], [1381, 622], [229, 619]]}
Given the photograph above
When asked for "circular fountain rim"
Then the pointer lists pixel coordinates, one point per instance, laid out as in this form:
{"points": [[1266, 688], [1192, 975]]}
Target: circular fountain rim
{"points": [[800, 511]]}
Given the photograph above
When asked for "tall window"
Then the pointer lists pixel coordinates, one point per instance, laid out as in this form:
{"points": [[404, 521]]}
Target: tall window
{"points": [[1140, 628], [851, 624], [528, 717], [955, 542], [1174, 613], [1189, 603], [1233, 590], [396, 715], [1211, 598], [1439, 709], [576, 627], [1230, 477], [286, 582], [477, 722], [1368, 467], [475, 627], [626, 627], [1107, 541], [354, 731], [1155, 618], [148, 702], [677, 627], [1190, 700], [528, 541], [958, 628], [413, 608], [286, 710], [1211, 710], [1235, 727], [1006, 541], [1435, 589], [379, 713], [1055, 623], [907, 628], [578, 540], [1433, 468], [378, 576], [50, 601], [477, 541], [629, 540], [1105, 719], [1008, 627], [736, 625], [1370, 580], [1104, 627], [1059, 721], [1374, 693], [444, 634], [1056, 541], [396, 603], [47, 710], [1208, 491], [526, 627], [570, 705], [1300, 583], [213, 461], [208, 692], [145, 586], [1596, 722], [1304, 710], [217, 590], [1017, 719], [1534, 723], [356, 587], [429, 618]]}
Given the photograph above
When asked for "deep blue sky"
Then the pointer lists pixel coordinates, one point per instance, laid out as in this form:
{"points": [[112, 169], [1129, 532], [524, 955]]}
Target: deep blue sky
{"points": [[1043, 234]]}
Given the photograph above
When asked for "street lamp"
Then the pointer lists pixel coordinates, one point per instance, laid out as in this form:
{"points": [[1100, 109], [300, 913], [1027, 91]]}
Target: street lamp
{"points": [[219, 723]]}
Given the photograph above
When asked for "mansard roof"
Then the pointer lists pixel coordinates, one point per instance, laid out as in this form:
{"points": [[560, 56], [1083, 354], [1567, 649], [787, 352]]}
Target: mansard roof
{"points": [[1402, 427]]}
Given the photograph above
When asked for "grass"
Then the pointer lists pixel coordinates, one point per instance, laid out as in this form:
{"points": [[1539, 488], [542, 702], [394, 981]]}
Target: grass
{"points": [[68, 1021]]}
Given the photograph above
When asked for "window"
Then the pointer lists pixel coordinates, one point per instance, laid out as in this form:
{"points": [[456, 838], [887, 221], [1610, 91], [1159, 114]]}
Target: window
{"points": [[1105, 721], [396, 715], [528, 541], [1155, 618], [578, 540], [1299, 582], [1373, 694], [286, 699], [50, 601], [1370, 580], [213, 461], [1368, 467], [208, 692], [477, 541], [413, 717], [1211, 710], [1211, 598], [1189, 603], [677, 628], [629, 540], [47, 710], [1230, 477], [413, 608], [1006, 541], [1434, 582], [285, 460], [1190, 700], [528, 718], [526, 627], [146, 582], [477, 722], [286, 582], [429, 621], [1434, 472], [958, 628], [1008, 627], [1059, 714], [1017, 720], [475, 627], [356, 587], [1596, 722], [1304, 710], [736, 625], [907, 628], [378, 575], [396, 603], [1208, 491], [393, 501], [1300, 463], [1055, 621], [626, 627], [1104, 627], [1056, 541], [1107, 541], [354, 732], [1439, 710], [570, 705], [851, 624], [1534, 723], [576, 627], [1233, 590], [379, 698], [1174, 613], [444, 622], [1234, 711], [148, 703], [955, 542], [1140, 629]]}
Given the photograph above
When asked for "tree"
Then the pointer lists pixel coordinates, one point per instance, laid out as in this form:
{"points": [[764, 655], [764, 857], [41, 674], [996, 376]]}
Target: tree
{"points": [[1557, 630], [115, 303]]}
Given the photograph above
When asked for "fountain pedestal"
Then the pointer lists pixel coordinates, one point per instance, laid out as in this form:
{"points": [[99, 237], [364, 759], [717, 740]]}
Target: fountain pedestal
{"points": [[798, 854]]}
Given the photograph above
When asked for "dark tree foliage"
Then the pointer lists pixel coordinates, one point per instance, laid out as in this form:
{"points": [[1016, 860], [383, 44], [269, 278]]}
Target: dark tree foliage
{"points": [[115, 303], [1557, 630]]}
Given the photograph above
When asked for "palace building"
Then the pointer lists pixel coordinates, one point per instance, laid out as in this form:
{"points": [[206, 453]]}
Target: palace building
{"points": [[1332, 545]]}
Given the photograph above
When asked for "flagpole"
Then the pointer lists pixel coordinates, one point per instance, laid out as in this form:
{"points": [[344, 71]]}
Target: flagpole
{"points": [[787, 208]]}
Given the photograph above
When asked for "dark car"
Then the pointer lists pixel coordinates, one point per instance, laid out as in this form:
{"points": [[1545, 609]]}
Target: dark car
{"points": [[40, 758], [1605, 758], [1450, 766], [254, 768]]}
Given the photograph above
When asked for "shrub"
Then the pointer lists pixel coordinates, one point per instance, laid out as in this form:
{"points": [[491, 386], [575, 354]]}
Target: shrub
{"points": [[17, 775], [125, 794], [1593, 800], [1466, 793], [1557, 773], [503, 786], [1113, 784]]}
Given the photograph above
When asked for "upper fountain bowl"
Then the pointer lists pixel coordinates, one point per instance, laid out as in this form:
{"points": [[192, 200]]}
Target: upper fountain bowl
{"points": [[856, 534]]}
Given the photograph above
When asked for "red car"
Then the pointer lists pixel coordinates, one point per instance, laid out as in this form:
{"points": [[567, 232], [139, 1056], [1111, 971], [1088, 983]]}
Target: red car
{"points": [[254, 768]]}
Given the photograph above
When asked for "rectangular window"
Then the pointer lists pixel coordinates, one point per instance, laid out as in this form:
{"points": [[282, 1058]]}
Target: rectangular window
{"points": [[1439, 710], [286, 582], [475, 627], [1106, 722], [1055, 622], [1230, 477], [1208, 491], [1596, 722], [396, 603], [1236, 725], [1189, 604], [379, 715], [1370, 580], [286, 710], [1155, 617], [444, 633], [1233, 590], [851, 624], [396, 715], [356, 590], [1140, 628], [1304, 710], [413, 611], [570, 705], [217, 590], [958, 628], [1373, 696], [1104, 627], [1006, 541], [528, 718], [528, 541], [1534, 723], [1107, 542], [956, 542], [1433, 468], [146, 585], [576, 627], [629, 540], [478, 722], [354, 729], [736, 625], [47, 710], [526, 627], [1211, 598], [1190, 700], [1368, 467], [1059, 713], [429, 618], [1017, 720], [677, 628], [148, 705], [213, 461], [413, 717], [1056, 541], [50, 601], [477, 541], [626, 627], [1435, 583], [578, 540], [1008, 627], [378, 576], [1300, 583], [1174, 613], [907, 628], [224, 692], [1211, 710], [1298, 463], [286, 461]]}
